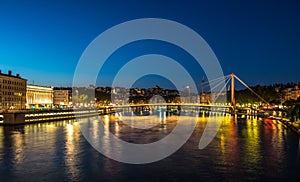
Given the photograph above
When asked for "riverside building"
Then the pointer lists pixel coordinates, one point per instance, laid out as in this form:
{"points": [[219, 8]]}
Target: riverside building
{"points": [[12, 91], [39, 97], [62, 97]]}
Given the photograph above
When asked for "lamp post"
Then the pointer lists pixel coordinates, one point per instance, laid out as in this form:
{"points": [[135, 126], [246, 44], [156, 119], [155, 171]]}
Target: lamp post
{"points": [[189, 93], [20, 94]]}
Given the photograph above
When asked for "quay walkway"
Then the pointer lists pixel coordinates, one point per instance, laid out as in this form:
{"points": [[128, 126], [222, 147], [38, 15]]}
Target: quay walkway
{"points": [[14, 117]]}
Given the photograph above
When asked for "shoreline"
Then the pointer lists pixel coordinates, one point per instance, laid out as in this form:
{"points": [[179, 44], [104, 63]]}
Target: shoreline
{"points": [[291, 125]]}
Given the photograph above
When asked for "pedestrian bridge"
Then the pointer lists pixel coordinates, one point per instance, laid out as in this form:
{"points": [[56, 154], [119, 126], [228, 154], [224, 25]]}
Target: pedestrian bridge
{"points": [[174, 104]]}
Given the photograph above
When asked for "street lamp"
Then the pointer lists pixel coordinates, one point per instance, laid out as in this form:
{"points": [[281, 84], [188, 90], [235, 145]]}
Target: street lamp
{"points": [[189, 93], [20, 94]]}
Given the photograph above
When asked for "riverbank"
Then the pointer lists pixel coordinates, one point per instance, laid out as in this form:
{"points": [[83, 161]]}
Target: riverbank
{"points": [[294, 126], [27, 117]]}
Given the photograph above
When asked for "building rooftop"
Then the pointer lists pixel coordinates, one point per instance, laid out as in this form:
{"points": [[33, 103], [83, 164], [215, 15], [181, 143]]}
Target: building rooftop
{"points": [[9, 74], [39, 88]]}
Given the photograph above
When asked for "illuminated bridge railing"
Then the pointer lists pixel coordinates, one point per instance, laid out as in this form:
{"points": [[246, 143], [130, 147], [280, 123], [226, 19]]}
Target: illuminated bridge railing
{"points": [[174, 104]]}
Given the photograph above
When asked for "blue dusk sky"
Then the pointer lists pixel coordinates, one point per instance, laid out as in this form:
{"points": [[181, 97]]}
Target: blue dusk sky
{"points": [[257, 40]]}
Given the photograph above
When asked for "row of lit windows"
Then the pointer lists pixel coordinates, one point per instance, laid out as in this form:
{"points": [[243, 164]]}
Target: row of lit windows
{"points": [[11, 88], [11, 93], [61, 95], [41, 97], [12, 82], [8, 93], [12, 99], [39, 94]]}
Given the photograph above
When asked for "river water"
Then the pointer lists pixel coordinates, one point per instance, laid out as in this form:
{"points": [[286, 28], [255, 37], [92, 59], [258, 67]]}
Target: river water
{"points": [[248, 149]]}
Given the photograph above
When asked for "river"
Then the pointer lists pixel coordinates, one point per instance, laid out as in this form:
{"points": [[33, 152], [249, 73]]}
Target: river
{"points": [[246, 149]]}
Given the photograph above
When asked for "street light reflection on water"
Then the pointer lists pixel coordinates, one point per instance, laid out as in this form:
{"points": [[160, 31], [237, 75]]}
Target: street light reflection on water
{"points": [[70, 157], [243, 149]]}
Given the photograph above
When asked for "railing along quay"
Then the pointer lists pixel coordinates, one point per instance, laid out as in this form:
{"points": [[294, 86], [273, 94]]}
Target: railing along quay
{"points": [[14, 117]]}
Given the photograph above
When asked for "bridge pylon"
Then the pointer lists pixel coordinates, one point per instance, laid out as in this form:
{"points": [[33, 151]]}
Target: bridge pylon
{"points": [[232, 93]]}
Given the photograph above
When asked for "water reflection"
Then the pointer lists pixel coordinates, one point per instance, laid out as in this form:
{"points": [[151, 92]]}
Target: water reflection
{"points": [[15, 139], [243, 149], [251, 146], [71, 156]]}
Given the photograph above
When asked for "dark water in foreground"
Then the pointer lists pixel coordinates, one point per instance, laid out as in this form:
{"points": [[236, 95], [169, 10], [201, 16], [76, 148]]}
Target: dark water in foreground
{"points": [[243, 149]]}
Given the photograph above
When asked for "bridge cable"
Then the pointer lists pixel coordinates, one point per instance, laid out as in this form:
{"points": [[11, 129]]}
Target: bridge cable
{"points": [[218, 84], [215, 83], [223, 88], [216, 80], [250, 89]]}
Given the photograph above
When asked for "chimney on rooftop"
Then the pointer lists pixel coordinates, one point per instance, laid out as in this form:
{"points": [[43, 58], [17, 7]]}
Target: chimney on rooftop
{"points": [[9, 72], [18, 75]]}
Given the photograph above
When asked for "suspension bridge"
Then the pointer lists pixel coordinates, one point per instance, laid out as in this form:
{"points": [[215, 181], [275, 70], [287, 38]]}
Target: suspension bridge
{"points": [[221, 87], [218, 88]]}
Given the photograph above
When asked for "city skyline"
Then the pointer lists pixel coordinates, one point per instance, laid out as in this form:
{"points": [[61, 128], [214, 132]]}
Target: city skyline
{"points": [[43, 41]]}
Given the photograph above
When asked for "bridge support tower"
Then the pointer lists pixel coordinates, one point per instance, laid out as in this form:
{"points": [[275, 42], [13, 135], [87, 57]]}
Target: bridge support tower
{"points": [[232, 94]]}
